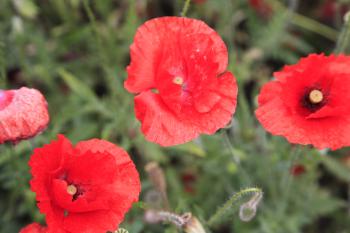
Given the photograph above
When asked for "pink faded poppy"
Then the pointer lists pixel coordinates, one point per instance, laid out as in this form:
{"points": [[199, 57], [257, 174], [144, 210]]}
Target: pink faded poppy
{"points": [[23, 114]]}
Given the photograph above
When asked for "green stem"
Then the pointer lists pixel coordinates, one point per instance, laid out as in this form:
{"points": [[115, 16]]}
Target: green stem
{"points": [[307, 23], [2, 66], [314, 26], [235, 197], [185, 8], [92, 20], [344, 38], [287, 178]]}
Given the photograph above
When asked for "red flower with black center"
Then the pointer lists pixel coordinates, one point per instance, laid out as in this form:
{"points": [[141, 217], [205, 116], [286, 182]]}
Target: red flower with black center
{"points": [[178, 67], [86, 188], [309, 103], [33, 228], [23, 114]]}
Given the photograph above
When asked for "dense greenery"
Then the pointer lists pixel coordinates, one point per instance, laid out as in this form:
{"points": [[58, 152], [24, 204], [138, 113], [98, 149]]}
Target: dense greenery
{"points": [[76, 51]]}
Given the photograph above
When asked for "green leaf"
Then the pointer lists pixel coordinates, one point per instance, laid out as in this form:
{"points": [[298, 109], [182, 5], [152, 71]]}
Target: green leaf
{"points": [[26, 8], [191, 148], [76, 85], [338, 169]]}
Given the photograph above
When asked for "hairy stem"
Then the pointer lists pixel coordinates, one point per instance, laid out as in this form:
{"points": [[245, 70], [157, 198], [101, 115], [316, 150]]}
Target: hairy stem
{"points": [[307, 23], [226, 207]]}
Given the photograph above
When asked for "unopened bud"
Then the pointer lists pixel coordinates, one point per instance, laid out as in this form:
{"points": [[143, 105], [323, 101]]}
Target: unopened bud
{"points": [[247, 211], [193, 225]]}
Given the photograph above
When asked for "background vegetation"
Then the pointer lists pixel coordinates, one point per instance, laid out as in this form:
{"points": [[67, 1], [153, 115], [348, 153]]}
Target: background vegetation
{"points": [[76, 51]]}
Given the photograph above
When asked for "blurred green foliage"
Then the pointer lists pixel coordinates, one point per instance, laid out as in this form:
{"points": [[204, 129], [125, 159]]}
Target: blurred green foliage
{"points": [[76, 51]]}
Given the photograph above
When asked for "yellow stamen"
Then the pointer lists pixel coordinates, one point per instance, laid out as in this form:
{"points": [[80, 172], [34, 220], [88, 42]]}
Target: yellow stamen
{"points": [[71, 189], [178, 80], [316, 96]]}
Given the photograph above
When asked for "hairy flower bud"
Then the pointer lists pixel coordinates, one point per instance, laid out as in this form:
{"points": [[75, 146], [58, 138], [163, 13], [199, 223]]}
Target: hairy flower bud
{"points": [[247, 211], [121, 230]]}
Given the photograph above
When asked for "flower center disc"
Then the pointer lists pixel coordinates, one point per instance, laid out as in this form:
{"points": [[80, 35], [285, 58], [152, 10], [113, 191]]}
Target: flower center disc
{"points": [[71, 189], [178, 80], [316, 96]]}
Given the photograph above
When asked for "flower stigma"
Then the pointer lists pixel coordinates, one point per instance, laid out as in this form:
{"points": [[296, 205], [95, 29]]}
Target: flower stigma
{"points": [[178, 80], [71, 189], [315, 96]]}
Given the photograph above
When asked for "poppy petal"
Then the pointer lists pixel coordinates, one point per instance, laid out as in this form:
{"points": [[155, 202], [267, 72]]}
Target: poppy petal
{"points": [[33, 228], [146, 51], [158, 124]]}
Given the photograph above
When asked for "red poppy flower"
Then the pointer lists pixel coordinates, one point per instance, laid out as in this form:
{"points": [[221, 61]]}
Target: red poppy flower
{"points": [[86, 188], [178, 65], [23, 114], [261, 7], [329, 9], [188, 180], [33, 228], [297, 170], [309, 103]]}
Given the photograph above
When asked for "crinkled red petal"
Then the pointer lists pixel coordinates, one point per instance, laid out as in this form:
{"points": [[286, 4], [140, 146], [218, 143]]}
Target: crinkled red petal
{"points": [[151, 40], [34, 228], [184, 60]]}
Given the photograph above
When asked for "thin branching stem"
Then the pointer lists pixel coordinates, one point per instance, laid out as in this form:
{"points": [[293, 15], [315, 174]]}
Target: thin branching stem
{"points": [[307, 23], [288, 177], [314, 26], [92, 20], [185, 8], [344, 38], [226, 207], [348, 198], [2, 66]]}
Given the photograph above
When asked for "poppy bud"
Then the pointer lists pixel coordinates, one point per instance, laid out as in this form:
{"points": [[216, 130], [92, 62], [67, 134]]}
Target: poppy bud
{"points": [[193, 225], [247, 211]]}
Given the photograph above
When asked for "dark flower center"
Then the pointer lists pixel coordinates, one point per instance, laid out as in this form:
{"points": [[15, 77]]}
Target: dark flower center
{"points": [[73, 189], [313, 99]]}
